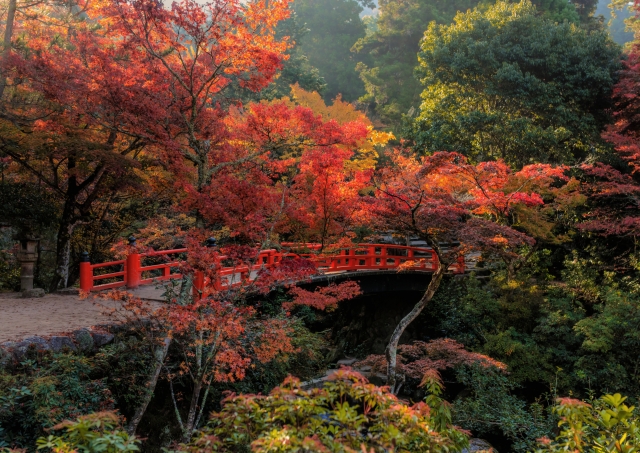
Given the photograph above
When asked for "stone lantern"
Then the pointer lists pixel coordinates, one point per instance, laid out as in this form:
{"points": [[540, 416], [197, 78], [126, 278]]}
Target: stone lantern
{"points": [[27, 256]]}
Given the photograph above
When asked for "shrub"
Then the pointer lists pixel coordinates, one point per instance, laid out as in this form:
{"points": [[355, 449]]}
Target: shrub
{"points": [[346, 414], [605, 425], [45, 390], [94, 433]]}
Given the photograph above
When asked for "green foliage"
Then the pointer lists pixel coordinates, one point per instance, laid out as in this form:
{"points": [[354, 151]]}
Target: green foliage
{"points": [[606, 425], [27, 208], [334, 27], [489, 407], [43, 391], [393, 46], [507, 83], [9, 266], [94, 433], [126, 364], [575, 334], [345, 415], [619, 17], [393, 42]]}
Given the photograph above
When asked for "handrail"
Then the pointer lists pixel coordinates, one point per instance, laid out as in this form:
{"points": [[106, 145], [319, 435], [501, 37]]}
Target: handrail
{"points": [[361, 257]]}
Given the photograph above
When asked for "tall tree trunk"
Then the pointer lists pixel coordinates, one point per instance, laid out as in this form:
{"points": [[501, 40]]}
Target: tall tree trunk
{"points": [[150, 387], [193, 411], [66, 227], [63, 246], [203, 182], [6, 43], [391, 352]]}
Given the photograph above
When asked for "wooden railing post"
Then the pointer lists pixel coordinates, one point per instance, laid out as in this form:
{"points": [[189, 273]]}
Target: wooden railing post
{"points": [[198, 285], [352, 260], [86, 273], [133, 274], [371, 256], [461, 265]]}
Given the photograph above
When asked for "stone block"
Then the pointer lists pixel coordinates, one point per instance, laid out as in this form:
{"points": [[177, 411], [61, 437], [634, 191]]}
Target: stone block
{"points": [[83, 339], [59, 343], [479, 445], [347, 362], [39, 342], [102, 338], [8, 345], [33, 293], [5, 357]]}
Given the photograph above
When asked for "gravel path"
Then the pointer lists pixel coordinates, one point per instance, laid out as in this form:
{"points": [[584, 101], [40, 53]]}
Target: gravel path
{"points": [[54, 313]]}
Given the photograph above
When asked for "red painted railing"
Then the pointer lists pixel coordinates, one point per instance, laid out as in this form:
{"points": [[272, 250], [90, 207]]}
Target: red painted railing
{"points": [[364, 257]]}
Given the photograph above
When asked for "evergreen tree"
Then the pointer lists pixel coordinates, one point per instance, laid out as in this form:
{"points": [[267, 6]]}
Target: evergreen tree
{"points": [[390, 82], [334, 27], [508, 83]]}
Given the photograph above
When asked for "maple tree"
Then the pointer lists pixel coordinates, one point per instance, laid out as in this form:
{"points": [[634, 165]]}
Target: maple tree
{"points": [[456, 208], [216, 340], [132, 81], [199, 52], [613, 190], [63, 119], [420, 358], [303, 182]]}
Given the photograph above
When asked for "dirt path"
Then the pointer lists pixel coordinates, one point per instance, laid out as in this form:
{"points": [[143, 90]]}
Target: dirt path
{"points": [[53, 313]]}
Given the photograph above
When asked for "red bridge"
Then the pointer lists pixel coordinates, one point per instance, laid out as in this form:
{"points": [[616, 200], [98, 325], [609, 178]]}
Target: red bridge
{"points": [[132, 272]]}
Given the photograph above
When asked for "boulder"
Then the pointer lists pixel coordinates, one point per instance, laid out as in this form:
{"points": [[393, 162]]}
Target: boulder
{"points": [[5, 357], [347, 362], [33, 293], [39, 342], [102, 338], [479, 445], [8, 345], [21, 348], [59, 343], [83, 339]]}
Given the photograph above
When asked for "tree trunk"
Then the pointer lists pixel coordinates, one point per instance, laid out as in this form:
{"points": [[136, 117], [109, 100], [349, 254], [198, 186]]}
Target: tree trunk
{"points": [[66, 227], [6, 44], [203, 182], [391, 352], [160, 355], [193, 410], [63, 246]]}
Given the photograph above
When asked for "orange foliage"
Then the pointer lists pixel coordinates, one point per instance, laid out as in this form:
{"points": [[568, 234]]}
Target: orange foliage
{"points": [[421, 359], [325, 297]]}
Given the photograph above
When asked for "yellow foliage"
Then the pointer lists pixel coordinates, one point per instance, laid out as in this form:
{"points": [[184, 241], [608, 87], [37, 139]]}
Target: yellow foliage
{"points": [[343, 112]]}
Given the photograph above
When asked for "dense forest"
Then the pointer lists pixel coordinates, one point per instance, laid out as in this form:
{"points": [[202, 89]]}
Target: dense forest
{"points": [[276, 140]]}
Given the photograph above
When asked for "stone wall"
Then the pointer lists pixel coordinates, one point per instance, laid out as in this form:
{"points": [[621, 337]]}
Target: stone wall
{"points": [[84, 340]]}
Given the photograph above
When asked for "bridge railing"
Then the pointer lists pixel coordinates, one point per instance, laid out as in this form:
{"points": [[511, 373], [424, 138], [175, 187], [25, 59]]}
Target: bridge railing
{"points": [[132, 273]]}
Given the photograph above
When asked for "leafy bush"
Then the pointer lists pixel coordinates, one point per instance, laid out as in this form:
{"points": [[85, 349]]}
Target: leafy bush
{"points": [[488, 407], [94, 433], [347, 414], [307, 362], [126, 365], [9, 266], [605, 425], [43, 391]]}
